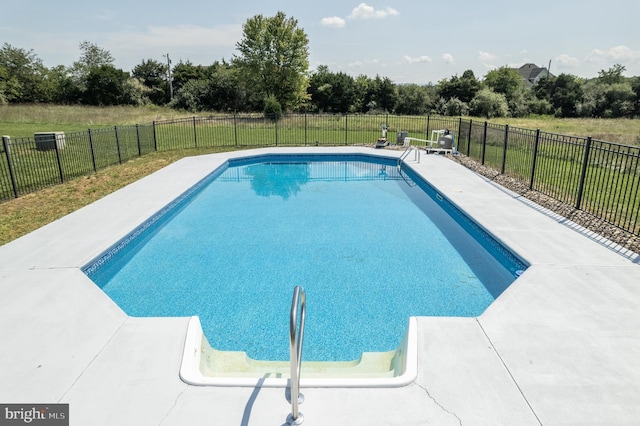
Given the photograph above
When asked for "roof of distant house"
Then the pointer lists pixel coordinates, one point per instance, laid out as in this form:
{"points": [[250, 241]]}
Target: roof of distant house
{"points": [[531, 73]]}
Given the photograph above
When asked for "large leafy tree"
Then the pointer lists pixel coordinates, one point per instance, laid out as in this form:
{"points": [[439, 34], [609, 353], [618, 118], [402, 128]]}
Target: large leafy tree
{"points": [[186, 71], [209, 88], [375, 94], [22, 76], [274, 59], [332, 92], [463, 88], [613, 75], [107, 85], [504, 80], [566, 92], [414, 99], [489, 104], [509, 83], [153, 75], [92, 56]]}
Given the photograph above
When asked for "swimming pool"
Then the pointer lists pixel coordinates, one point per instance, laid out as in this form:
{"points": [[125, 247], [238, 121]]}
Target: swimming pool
{"points": [[371, 245]]}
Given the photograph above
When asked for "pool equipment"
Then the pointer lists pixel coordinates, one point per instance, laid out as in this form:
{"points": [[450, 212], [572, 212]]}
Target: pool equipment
{"points": [[382, 141], [441, 142]]}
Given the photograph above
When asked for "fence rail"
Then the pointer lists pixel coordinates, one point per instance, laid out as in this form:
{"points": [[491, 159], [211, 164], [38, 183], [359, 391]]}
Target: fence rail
{"points": [[599, 177]]}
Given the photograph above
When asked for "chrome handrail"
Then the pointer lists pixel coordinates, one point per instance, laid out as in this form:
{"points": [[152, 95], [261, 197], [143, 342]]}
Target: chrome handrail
{"points": [[295, 352], [405, 154]]}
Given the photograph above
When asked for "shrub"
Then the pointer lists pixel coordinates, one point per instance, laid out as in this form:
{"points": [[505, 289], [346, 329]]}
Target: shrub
{"points": [[272, 107]]}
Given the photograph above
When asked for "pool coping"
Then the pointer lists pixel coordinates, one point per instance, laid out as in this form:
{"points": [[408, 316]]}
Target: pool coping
{"points": [[558, 346]]}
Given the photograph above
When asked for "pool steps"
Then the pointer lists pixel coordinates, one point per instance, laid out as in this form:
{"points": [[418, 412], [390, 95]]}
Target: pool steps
{"points": [[203, 365]]}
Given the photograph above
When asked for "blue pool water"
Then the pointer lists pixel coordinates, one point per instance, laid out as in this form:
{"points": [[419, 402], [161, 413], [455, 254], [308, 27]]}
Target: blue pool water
{"points": [[368, 244]]}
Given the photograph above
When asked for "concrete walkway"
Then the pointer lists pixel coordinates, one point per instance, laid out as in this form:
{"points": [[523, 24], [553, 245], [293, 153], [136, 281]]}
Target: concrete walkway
{"points": [[559, 347]]}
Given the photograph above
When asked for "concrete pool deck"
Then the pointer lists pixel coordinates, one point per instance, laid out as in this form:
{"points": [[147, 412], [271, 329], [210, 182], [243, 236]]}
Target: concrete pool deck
{"points": [[560, 346]]}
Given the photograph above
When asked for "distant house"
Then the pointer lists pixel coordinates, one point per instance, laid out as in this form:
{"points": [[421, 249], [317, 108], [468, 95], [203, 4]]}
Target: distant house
{"points": [[531, 74]]}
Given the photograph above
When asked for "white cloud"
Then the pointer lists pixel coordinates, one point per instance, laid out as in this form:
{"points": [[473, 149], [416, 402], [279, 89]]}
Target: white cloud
{"points": [[419, 59], [448, 58], [333, 21], [487, 59], [623, 53], [596, 55], [614, 54], [566, 61], [364, 11]]}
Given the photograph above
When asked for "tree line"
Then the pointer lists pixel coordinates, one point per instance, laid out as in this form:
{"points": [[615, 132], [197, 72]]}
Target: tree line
{"points": [[271, 74]]}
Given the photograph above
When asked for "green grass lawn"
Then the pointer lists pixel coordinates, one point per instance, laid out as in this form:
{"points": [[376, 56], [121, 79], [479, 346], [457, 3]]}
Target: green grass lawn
{"points": [[557, 173]]}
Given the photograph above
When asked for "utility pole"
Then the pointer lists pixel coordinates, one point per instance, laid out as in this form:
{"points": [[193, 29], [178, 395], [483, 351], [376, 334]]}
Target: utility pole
{"points": [[169, 82]]}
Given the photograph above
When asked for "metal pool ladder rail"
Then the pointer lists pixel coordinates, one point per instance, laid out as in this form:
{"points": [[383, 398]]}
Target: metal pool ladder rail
{"points": [[295, 352], [405, 154]]}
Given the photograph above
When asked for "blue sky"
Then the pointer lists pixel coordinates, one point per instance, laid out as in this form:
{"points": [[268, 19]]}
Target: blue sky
{"points": [[417, 41]]}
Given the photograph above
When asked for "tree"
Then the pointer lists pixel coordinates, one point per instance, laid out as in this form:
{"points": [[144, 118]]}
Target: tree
{"points": [[385, 93], [274, 59], [620, 97], [185, 71], [22, 75], [9, 86], [635, 86], [508, 82], [455, 107], [92, 56], [489, 104], [613, 75], [331, 92], [375, 95], [193, 96], [566, 92], [153, 75], [609, 95], [504, 80], [107, 85], [463, 88], [224, 88], [414, 99]]}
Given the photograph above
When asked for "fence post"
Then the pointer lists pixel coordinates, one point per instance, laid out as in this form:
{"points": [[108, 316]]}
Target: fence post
{"points": [[305, 128], [93, 153], [275, 121], [235, 129], [115, 129], [583, 173], [346, 128], [195, 133], [12, 174], [155, 138], [428, 123], [469, 137], [459, 127], [504, 148], [535, 158], [138, 139], [58, 159], [484, 142]]}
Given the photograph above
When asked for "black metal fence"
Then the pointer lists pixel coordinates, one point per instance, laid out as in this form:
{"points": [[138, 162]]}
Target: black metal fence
{"points": [[599, 177]]}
